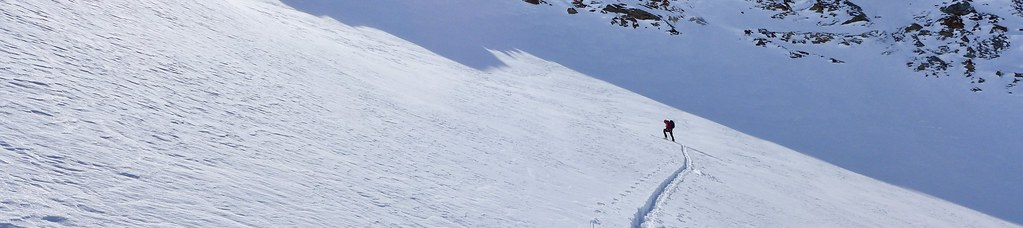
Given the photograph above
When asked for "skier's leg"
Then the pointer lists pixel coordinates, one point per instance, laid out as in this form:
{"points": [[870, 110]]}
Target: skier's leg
{"points": [[665, 133], [672, 135]]}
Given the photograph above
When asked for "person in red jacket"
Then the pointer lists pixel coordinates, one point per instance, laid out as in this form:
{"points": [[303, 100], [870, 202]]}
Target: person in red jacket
{"points": [[669, 125]]}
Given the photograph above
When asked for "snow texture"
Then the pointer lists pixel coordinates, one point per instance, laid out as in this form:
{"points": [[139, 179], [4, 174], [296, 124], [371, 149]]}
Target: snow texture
{"points": [[237, 113]]}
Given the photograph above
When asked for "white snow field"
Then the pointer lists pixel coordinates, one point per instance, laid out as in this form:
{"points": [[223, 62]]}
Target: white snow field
{"points": [[231, 113], [872, 114]]}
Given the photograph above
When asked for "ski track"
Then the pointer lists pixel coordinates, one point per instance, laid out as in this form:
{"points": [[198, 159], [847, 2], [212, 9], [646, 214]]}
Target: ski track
{"points": [[649, 211]]}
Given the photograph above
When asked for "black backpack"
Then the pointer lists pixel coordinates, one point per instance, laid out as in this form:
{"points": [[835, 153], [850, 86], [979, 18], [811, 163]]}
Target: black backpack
{"points": [[671, 124]]}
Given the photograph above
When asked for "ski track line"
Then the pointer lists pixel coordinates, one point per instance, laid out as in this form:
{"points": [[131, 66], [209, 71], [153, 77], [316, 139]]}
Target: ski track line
{"points": [[649, 210]]}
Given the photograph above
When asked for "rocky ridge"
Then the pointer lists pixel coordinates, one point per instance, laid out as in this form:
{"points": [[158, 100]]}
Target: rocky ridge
{"points": [[950, 39]]}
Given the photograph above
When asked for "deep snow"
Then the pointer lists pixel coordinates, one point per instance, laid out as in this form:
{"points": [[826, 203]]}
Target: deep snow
{"points": [[249, 113]]}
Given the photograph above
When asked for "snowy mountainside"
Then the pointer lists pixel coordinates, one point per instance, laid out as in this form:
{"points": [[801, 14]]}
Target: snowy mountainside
{"points": [[249, 113], [858, 112], [938, 38]]}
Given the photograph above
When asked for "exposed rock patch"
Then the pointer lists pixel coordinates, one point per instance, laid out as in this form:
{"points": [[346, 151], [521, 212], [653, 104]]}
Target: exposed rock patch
{"points": [[958, 39]]}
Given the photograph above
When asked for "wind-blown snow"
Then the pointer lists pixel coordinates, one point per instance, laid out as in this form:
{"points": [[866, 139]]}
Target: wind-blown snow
{"points": [[249, 113]]}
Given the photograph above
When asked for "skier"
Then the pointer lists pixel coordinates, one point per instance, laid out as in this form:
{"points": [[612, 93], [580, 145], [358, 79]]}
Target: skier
{"points": [[669, 125]]}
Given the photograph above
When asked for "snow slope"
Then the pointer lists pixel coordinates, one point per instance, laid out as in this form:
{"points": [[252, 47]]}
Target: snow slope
{"points": [[872, 114], [249, 113]]}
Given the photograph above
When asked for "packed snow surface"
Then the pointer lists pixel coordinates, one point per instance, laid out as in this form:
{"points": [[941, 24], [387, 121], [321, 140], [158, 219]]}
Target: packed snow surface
{"points": [[249, 113]]}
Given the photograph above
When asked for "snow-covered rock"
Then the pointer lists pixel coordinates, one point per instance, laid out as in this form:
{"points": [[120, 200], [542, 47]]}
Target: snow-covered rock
{"points": [[944, 38]]}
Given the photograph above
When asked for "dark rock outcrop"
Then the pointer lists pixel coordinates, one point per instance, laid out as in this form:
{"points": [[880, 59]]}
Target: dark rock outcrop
{"points": [[830, 11], [959, 9], [658, 14], [631, 13]]}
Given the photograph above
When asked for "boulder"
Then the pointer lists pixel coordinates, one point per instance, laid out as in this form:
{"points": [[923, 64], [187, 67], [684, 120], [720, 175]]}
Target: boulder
{"points": [[959, 9]]}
